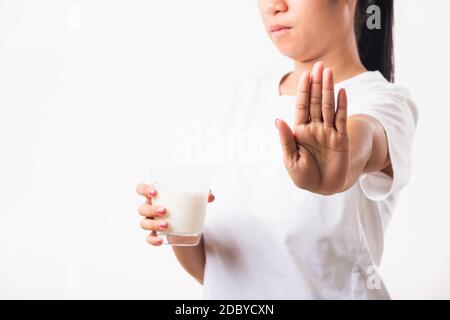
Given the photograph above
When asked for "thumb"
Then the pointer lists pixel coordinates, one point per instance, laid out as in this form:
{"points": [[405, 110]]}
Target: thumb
{"points": [[287, 140]]}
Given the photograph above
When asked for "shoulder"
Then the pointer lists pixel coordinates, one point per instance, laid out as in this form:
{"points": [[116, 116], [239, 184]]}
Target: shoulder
{"points": [[251, 86], [373, 92], [247, 91], [241, 95]]}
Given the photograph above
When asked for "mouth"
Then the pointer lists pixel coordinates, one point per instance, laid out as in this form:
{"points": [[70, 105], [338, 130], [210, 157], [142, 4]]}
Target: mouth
{"points": [[279, 30]]}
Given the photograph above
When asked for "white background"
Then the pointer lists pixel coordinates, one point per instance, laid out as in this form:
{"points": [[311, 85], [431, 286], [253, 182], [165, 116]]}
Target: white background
{"points": [[89, 94]]}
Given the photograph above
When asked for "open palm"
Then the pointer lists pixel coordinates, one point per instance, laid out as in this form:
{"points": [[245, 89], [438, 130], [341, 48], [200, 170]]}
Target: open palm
{"points": [[316, 150]]}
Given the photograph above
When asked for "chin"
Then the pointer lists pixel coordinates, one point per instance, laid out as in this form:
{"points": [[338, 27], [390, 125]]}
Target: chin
{"points": [[291, 52]]}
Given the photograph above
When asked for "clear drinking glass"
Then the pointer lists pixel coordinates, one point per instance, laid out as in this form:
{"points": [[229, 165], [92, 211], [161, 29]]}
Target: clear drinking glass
{"points": [[183, 190]]}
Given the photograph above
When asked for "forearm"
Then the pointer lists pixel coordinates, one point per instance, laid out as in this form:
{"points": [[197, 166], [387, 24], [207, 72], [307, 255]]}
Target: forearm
{"points": [[192, 259], [368, 147]]}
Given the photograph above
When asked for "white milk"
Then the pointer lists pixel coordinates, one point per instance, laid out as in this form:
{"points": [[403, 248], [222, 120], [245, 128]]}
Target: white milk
{"points": [[185, 210]]}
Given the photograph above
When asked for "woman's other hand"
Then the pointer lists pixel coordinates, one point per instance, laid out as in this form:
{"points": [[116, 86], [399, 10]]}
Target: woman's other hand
{"points": [[150, 211]]}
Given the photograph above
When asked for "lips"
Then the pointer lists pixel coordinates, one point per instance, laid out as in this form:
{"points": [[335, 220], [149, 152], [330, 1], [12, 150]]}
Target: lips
{"points": [[277, 31], [278, 28]]}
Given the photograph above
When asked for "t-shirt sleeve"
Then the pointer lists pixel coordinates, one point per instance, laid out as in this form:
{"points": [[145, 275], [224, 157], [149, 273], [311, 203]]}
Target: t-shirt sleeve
{"points": [[398, 114]]}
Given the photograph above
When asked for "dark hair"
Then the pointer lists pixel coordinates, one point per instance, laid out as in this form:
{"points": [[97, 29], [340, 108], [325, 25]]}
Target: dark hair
{"points": [[375, 46]]}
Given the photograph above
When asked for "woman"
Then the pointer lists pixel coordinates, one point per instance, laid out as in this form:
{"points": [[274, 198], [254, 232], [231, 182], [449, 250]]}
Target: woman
{"points": [[313, 230]]}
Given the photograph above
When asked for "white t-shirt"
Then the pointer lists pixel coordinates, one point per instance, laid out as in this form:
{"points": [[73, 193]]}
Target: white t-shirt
{"points": [[267, 239]]}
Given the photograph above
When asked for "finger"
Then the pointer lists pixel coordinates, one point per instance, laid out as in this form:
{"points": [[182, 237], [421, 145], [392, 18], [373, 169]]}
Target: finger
{"points": [[151, 211], [341, 113], [315, 103], [153, 239], [328, 98], [302, 101], [145, 190], [154, 225], [211, 197], [288, 144]]}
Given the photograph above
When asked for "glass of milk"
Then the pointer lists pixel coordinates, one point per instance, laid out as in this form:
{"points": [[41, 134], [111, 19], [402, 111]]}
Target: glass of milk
{"points": [[183, 190]]}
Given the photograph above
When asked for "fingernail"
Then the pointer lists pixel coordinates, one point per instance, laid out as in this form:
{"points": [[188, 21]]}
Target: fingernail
{"points": [[276, 123], [163, 224], [160, 210], [157, 241]]}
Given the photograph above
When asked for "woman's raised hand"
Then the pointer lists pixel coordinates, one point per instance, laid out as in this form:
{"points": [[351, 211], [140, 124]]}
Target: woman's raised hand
{"points": [[316, 150]]}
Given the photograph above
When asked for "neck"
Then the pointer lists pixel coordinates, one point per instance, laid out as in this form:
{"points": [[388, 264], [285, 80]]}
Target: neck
{"points": [[343, 59]]}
